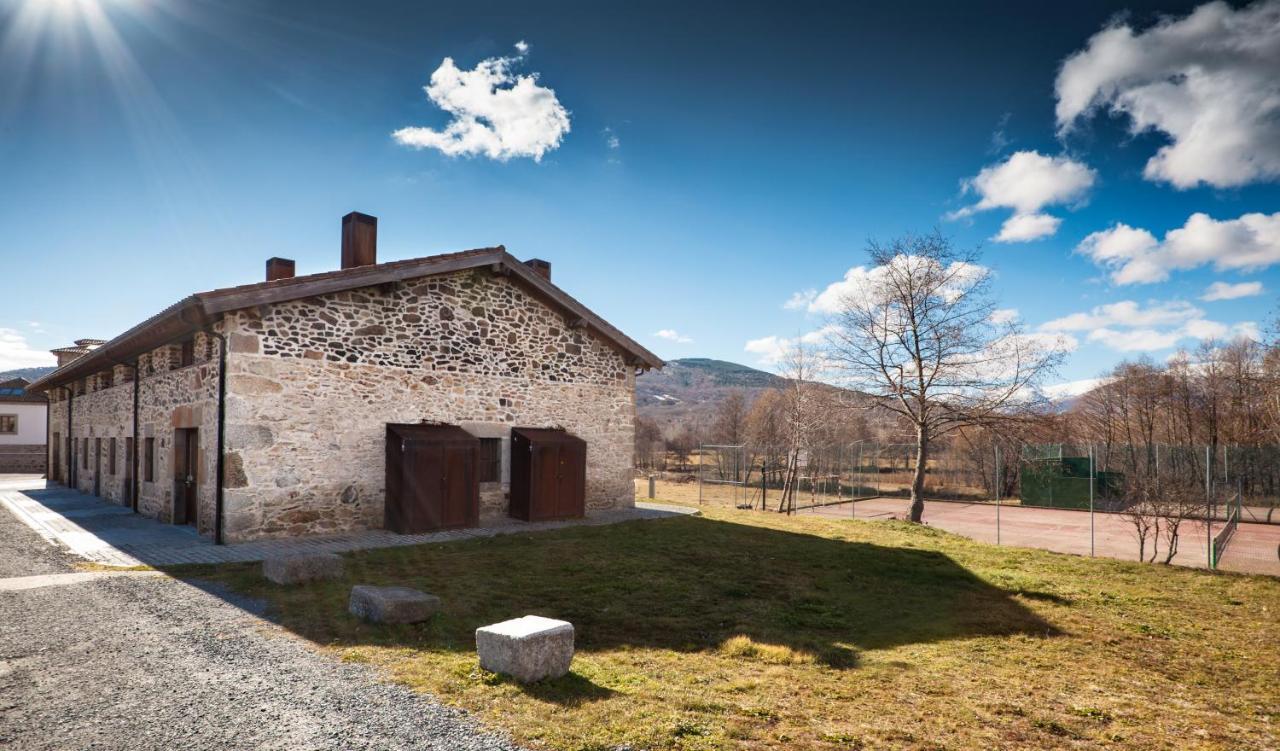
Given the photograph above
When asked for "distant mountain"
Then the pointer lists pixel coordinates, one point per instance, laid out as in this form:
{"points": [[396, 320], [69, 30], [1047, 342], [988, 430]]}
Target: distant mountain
{"points": [[687, 391], [28, 373]]}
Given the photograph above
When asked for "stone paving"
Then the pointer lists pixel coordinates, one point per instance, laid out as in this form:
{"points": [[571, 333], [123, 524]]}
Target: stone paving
{"points": [[112, 535]]}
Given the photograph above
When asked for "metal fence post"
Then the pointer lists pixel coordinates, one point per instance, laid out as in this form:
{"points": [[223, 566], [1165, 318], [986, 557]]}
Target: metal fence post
{"points": [[1208, 504], [1092, 474], [997, 488], [699, 474], [651, 484]]}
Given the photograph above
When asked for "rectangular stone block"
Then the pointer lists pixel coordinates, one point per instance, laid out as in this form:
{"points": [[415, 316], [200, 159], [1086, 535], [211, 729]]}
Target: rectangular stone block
{"points": [[297, 569], [392, 604], [528, 649]]}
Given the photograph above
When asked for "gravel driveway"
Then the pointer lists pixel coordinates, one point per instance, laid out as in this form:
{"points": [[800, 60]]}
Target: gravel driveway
{"points": [[147, 662]]}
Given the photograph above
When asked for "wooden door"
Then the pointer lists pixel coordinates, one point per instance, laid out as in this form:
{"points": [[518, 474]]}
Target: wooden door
{"points": [[97, 467], [55, 470], [128, 470], [423, 468], [186, 475], [571, 488], [545, 482], [456, 486]]}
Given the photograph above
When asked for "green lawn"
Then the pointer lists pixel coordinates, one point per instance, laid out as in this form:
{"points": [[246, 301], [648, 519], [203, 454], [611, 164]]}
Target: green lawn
{"points": [[749, 630]]}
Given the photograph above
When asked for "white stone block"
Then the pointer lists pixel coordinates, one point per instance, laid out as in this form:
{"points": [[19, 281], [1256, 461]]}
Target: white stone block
{"points": [[297, 569], [528, 649], [392, 604]]}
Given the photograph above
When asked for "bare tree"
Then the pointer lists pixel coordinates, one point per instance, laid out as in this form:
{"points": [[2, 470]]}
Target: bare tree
{"points": [[1142, 512], [918, 335], [803, 411], [730, 421]]}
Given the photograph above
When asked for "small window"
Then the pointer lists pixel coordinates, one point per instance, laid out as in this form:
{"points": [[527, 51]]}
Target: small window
{"points": [[8, 424], [111, 459], [128, 457], [149, 460], [490, 469], [84, 453], [188, 356]]}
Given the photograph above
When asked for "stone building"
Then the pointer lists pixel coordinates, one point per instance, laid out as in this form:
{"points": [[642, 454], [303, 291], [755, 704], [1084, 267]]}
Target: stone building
{"points": [[261, 410], [23, 419]]}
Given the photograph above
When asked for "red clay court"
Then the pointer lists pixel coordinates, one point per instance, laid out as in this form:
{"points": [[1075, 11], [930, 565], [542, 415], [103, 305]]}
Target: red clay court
{"points": [[1254, 548]]}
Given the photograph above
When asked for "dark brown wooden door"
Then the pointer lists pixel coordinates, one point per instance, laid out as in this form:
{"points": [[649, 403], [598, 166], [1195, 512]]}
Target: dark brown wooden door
{"points": [[97, 467], [545, 482], [423, 487], [572, 480], [186, 475], [456, 486]]}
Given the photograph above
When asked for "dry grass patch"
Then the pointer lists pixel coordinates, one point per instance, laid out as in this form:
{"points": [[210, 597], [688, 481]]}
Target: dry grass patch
{"points": [[754, 631]]}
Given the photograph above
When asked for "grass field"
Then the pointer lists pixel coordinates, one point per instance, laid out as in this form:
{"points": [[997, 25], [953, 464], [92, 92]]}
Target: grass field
{"points": [[757, 631]]}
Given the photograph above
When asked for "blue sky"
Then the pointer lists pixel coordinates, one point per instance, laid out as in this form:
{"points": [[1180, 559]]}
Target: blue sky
{"points": [[718, 160]]}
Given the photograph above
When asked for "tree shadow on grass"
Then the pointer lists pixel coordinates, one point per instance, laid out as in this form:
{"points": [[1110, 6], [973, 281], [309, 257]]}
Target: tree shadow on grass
{"points": [[685, 585]]}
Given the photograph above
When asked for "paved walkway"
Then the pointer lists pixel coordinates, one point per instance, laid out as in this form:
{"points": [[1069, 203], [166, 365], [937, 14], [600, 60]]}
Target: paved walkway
{"points": [[1254, 548], [113, 535]]}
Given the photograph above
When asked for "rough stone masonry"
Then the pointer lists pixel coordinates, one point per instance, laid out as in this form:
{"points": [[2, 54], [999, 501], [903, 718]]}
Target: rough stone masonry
{"points": [[312, 382]]}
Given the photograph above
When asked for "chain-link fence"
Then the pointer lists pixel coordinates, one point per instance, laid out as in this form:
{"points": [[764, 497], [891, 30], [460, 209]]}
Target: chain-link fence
{"points": [[1184, 504]]}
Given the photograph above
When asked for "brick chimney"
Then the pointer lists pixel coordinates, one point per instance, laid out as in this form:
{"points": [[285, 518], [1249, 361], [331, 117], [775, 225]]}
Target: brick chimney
{"points": [[542, 267], [359, 240], [279, 268]]}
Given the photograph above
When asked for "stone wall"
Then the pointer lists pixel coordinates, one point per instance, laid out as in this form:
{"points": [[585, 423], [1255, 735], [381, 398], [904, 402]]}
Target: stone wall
{"points": [[312, 384], [24, 459], [169, 399]]}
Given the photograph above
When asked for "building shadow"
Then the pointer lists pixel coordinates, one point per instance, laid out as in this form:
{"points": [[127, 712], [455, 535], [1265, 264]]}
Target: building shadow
{"points": [[684, 584]]}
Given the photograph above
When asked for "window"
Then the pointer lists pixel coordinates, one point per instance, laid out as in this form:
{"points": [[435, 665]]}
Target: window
{"points": [[188, 356], [128, 457], [111, 459], [490, 469], [84, 453], [8, 424], [149, 460]]}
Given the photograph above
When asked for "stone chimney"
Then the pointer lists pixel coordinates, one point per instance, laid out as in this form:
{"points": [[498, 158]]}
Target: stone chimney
{"points": [[542, 267], [279, 268], [81, 348], [359, 240]]}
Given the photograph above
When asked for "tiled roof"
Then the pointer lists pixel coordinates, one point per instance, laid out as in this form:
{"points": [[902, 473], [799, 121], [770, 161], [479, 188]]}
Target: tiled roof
{"points": [[196, 311]]}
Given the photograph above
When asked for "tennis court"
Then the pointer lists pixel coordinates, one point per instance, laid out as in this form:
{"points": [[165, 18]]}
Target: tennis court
{"points": [[1252, 548]]}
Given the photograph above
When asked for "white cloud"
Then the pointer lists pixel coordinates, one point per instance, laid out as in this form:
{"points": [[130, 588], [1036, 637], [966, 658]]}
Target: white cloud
{"points": [[1127, 326], [1208, 82], [522, 47], [801, 300], [1135, 256], [672, 335], [496, 113], [1027, 182], [1224, 291], [1072, 388], [1127, 313], [1004, 315], [861, 283], [772, 350], [769, 350], [1021, 228], [611, 138], [15, 352]]}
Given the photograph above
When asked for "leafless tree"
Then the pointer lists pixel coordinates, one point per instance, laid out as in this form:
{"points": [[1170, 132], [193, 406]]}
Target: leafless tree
{"points": [[917, 334], [730, 422], [803, 410], [1175, 504], [1142, 512]]}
